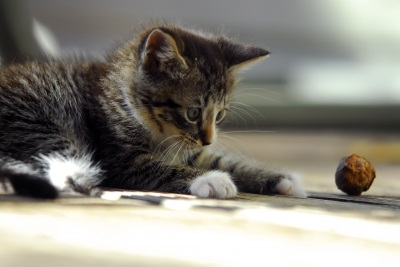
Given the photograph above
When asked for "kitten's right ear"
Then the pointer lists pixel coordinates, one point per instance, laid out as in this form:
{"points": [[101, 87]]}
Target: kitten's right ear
{"points": [[161, 48]]}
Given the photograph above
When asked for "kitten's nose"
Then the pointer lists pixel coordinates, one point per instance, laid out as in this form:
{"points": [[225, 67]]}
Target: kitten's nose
{"points": [[207, 136], [206, 142]]}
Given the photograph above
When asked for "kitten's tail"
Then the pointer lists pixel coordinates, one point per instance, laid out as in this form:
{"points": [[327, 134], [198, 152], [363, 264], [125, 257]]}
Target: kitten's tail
{"points": [[24, 180]]}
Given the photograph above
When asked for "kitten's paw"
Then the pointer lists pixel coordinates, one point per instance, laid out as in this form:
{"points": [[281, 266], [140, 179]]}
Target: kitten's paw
{"points": [[71, 174], [291, 184], [213, 184]]}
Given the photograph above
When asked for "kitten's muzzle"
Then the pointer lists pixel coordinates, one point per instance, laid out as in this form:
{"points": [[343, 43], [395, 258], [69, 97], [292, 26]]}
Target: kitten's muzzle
{"points": [[206, 143], [198, 140], [206, 136]]}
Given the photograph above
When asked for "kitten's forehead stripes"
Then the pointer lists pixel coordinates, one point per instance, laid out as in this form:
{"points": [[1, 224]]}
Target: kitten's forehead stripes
{"points": [[207, 98], [169, 103]]}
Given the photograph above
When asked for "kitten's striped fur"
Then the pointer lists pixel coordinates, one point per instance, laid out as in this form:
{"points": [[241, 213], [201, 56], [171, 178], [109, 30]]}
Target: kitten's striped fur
{"points": [[142, 119]]}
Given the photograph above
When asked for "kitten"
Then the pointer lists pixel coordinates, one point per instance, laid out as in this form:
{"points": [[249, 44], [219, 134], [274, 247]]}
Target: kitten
{"points": [[143, 119]]}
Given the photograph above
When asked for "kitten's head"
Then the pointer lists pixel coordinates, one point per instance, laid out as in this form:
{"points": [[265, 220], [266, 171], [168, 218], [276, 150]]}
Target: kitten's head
{"points": [[184, 82]]}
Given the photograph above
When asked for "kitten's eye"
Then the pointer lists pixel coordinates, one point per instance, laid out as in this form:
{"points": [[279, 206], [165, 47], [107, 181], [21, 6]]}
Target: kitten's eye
{"points": [[193, 114], [220, 116]]}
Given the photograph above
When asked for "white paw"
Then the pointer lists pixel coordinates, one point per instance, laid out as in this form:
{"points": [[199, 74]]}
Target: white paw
{"points": [[213, 184], [292, 185], [64, 172]]}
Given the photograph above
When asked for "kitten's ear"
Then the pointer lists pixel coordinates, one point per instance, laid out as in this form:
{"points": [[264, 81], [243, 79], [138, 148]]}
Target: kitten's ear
{"points": [[238, 55], [161, 48]]}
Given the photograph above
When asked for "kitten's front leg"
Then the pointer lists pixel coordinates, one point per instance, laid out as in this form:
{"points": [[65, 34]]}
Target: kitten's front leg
{"points": [[143, 172], [252, 177]]}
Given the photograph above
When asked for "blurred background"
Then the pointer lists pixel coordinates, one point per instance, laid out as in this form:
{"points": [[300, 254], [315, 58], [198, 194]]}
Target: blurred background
{"points": [[334, 64]]}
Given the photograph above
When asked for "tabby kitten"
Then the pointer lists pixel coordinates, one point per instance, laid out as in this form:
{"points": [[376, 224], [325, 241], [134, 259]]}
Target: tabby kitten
{"points": [[143, 119]]}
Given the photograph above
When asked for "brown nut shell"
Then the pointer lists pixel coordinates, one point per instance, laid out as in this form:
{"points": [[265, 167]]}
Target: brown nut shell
{"points": [[354, 175]]}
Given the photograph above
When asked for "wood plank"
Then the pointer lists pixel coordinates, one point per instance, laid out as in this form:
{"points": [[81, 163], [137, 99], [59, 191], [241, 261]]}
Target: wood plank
{"points": [[185, 231]]}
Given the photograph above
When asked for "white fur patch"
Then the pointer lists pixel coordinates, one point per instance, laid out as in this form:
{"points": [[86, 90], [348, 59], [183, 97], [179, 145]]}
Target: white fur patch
{"points": [[214, 184], [62, 170], [291, 186]]}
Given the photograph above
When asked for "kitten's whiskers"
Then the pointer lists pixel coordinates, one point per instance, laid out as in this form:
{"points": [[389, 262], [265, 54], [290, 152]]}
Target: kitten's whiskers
{"points": [[240, 116], [225, 140], [231, 115], [260, 89], [250, 131], [189, 140], [256, 95], [249, 107], [173, 159], [165, 155], [159, 145], [247, 113]]}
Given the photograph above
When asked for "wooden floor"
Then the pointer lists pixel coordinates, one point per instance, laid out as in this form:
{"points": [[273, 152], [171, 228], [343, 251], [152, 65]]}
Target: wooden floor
{"points": [[150, 229]]}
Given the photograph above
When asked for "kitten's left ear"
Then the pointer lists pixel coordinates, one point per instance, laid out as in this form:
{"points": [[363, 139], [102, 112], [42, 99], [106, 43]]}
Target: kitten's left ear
{"points": [[238, 55], [160, 49]]}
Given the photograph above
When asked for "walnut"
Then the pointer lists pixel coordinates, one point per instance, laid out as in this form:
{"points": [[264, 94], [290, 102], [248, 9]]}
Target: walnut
{"points": [[354, 175]]}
